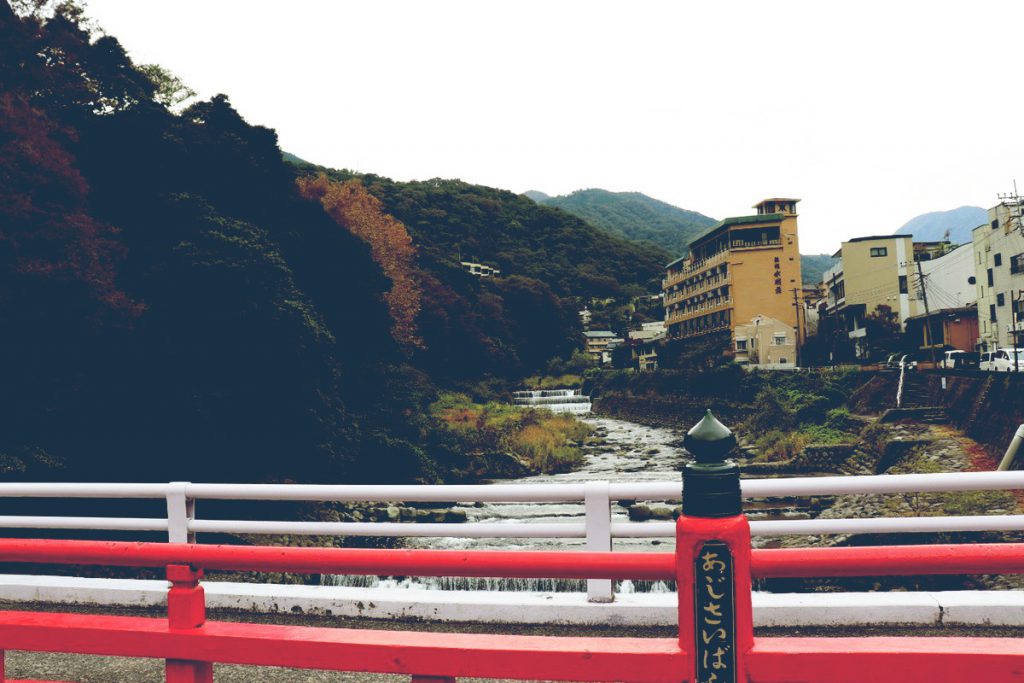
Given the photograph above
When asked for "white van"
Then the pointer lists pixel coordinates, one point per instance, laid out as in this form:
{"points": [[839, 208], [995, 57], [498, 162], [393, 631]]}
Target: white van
{"points": [[949, 362], [985, 360], [1003, 359]]}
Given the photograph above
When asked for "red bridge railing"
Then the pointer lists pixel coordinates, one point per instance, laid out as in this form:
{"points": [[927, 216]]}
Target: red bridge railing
{"points": [[710, 634], [713, 566]]}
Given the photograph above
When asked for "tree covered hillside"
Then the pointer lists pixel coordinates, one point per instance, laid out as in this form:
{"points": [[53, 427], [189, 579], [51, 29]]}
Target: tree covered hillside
{"points": [[180, 299], [452, 221], [634, 216], [175, 305], [813, 266]]}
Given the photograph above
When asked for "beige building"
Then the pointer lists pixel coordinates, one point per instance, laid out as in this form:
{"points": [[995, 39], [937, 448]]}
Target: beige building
{"points": [[813, 297], [999, 274], [599, 343], [739, 268], [765, 342], [644, 343], [872, 272]]}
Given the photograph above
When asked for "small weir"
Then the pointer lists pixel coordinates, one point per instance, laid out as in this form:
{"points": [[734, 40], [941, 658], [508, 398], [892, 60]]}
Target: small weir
{"points": [[555, 400]]}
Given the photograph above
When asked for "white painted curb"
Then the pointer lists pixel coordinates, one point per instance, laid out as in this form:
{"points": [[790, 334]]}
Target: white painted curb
{"points": [[969, 608]]}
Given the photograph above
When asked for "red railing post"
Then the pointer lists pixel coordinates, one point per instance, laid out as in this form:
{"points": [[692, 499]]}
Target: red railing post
{"points": [[714, 549], [186, 610], [713, 560]]}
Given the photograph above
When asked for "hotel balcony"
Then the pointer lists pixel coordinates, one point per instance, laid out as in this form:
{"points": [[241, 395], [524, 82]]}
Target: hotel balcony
{"points": [[694, 267], [708, 283], [700, 284], [708, 329], [703, 308], [719, 257]]}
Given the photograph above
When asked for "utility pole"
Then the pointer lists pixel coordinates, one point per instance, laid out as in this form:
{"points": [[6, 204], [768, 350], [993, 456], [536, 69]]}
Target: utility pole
{"points": [[1016, 200], [927, 315], [835, 320], [796, 305]]}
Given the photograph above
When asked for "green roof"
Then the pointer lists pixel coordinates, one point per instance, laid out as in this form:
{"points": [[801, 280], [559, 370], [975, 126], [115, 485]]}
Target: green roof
{"points": [[738, 220], [726, 222]]}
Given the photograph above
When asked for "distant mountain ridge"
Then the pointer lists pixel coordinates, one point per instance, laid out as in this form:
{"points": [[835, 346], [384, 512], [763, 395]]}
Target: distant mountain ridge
{"points": [[813, 267], [640, 218], [632, 215], [930, 227], [537, 196]]}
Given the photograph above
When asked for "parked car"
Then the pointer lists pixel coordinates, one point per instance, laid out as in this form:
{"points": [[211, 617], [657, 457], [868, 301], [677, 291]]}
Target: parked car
{"points": [[1007, 359], [960, 360], [968, 360], [985, 360]]}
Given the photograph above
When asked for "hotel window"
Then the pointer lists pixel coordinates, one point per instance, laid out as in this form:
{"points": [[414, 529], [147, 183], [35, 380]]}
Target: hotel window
{"points": [[990, 280], [903, 284], [1017, 263], [741, 344], [995, 224], [779, 340], [998, 259], [879, 251], [992, 312], [1000, 299]]}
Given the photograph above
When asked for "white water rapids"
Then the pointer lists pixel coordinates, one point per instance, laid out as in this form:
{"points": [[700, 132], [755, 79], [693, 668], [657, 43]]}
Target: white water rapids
{"points": [[629, 452]]}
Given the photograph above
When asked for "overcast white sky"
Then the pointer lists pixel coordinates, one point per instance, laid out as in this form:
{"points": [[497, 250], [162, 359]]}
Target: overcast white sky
{"points": [[870, 112]]}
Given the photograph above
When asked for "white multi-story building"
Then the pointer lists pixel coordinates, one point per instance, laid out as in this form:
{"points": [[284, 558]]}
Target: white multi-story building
{"points": [[950, 279], [999, 274]]}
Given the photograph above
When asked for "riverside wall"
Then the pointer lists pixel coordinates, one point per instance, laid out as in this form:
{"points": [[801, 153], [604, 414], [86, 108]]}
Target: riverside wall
{"points": [[987, 407]]}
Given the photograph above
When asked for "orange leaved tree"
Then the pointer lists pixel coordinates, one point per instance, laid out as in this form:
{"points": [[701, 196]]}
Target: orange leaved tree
{"points": [[361, 213]]}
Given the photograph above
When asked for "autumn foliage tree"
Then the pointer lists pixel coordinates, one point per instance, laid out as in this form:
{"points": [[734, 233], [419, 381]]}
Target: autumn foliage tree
{"points": [[359, 212]]}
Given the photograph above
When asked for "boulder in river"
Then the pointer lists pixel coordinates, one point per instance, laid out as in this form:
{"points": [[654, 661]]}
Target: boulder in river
{"points": [[639, 513], [662, 512]]}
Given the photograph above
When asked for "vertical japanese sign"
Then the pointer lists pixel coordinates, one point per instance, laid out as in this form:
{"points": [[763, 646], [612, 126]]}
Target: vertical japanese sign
{"points": [[715, 614]]}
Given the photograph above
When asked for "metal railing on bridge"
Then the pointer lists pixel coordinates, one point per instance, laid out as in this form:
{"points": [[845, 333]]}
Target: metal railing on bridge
{"points": [[182, 523], [713, 565]]}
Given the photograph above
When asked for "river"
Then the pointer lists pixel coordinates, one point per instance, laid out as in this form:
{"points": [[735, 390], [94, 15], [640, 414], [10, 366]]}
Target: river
{"points": [[627, 452]]}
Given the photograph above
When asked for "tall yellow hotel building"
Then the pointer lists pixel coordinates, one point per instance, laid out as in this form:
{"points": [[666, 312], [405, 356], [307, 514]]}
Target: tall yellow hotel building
{"points": [[736, 270]]}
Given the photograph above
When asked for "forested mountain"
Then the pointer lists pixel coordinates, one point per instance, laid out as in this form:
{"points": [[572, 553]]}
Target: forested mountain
{"points": [[932, 227], [813, 266], [180, 298], [469, 326], [642, 219], [634, 216], [453, 220], [178, 301], [537, 196]]}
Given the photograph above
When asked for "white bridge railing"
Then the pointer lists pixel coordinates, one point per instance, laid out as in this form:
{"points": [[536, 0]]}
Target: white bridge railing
{"points": [[182, 524]]}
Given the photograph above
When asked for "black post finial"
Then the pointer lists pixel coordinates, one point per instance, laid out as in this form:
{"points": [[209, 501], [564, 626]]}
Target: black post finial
{"points": [[711, 485]]}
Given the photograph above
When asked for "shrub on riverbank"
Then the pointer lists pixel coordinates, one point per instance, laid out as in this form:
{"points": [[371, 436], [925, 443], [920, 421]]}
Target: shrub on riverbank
{"points": [[539, 439], [550, 382], [790, 415], [678, 398]]}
